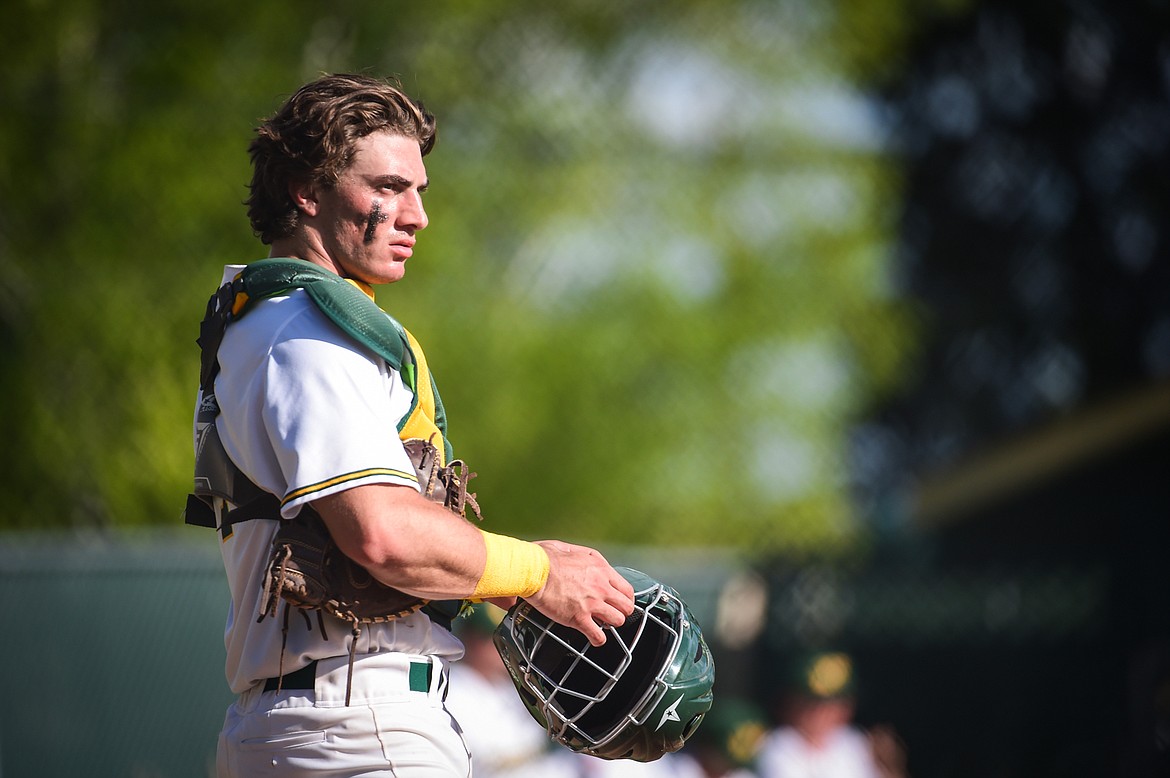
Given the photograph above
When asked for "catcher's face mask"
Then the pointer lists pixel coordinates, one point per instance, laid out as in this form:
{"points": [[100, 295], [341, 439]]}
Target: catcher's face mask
{"points": [[639, 696]]}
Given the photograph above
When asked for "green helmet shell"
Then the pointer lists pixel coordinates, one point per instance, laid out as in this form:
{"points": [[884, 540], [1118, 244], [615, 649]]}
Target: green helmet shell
{"points": [[638, 696]]}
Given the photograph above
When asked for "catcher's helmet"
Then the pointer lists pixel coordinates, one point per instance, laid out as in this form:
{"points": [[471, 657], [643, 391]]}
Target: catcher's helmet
{"points": [[639, 696]]}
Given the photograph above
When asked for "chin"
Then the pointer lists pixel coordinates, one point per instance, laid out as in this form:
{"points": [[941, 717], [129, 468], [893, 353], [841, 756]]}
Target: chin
{"points": [[383, 277], [395, 272]]}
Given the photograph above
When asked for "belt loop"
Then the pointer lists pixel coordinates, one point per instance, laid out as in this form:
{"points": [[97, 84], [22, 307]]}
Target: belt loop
{"points": [[441, 678]]}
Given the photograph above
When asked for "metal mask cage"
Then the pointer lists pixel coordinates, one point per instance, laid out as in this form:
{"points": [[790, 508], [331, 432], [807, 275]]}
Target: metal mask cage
{"points": [[588, 694]]}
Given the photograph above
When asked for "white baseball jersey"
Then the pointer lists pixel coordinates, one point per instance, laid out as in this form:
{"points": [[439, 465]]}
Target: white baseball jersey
{"points": [[305, 412]]}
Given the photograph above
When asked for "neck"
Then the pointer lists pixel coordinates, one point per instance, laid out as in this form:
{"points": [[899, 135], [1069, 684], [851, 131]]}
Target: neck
{"points": [[299, 247]]}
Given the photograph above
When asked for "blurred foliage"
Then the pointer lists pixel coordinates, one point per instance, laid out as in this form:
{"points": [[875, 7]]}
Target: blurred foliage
{"points": [[655, 291]]}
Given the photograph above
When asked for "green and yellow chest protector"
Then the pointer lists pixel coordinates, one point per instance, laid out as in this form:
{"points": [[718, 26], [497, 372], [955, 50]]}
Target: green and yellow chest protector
{"points": [[352, 308], [350, 305]]}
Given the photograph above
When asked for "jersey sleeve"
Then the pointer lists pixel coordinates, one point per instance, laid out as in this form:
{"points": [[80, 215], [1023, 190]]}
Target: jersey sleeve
{"points": [[331, 411]]}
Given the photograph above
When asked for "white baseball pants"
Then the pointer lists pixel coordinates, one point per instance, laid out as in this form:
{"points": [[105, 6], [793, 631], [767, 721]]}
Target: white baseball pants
{"points": [[395, 726]]}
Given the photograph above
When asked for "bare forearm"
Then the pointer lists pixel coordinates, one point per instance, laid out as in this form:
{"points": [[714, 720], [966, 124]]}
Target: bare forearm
{"points": [[420, 548]]}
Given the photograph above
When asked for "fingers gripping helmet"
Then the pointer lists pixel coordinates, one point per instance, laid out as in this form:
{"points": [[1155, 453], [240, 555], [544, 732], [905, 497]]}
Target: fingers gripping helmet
{"points": [[638, 696]]}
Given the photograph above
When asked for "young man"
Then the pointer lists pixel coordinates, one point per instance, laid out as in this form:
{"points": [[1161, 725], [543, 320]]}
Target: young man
{"points": [[316, 418]]}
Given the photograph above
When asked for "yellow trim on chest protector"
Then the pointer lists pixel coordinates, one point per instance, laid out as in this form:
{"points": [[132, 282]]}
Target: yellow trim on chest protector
{"points": [[421, 421]]}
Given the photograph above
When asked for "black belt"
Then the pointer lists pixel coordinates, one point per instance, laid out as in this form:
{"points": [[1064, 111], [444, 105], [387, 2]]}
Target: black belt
{"points": [[297, 679], [305, 678]]}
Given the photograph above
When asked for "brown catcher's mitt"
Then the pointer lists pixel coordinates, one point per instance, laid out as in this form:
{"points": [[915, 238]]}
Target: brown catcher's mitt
{"points": [[308, 571]]}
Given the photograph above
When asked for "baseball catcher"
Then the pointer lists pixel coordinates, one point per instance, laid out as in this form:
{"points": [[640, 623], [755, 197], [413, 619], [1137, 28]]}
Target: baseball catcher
{"points": [[323, 462]]}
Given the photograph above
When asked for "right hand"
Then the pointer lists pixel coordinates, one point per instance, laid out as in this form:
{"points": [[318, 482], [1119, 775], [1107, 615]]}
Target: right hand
{"points": [[583, 591]]}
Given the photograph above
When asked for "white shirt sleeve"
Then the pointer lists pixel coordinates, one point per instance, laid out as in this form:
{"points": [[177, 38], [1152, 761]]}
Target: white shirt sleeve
{"points": [[307, 411]]}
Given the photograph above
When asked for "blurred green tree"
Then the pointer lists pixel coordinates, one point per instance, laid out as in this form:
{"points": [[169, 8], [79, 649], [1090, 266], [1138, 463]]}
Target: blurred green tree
{"points": [[654, 292]]}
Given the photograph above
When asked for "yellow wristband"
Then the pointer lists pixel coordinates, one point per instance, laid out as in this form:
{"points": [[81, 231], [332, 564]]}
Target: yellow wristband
{"points": [[513, 568]]}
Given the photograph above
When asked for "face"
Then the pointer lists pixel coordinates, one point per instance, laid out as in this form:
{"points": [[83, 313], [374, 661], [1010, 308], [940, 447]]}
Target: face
{"points": [[818, 719], [364, 227]]}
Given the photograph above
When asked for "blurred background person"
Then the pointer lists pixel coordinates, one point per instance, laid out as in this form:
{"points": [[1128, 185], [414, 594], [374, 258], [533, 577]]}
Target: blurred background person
{"points": [[816, 737], [728, 741], [504, 739]]}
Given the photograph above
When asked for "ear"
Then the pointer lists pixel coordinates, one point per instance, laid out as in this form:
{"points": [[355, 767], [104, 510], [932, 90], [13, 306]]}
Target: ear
{"points": [[304, 197]]}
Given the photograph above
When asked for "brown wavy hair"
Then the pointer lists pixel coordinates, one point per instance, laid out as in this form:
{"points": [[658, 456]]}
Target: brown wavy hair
{"points": [[311, 138]]}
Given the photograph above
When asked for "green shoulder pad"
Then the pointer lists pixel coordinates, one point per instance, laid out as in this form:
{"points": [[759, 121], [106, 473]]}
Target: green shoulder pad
{"points": [[346, 305]]}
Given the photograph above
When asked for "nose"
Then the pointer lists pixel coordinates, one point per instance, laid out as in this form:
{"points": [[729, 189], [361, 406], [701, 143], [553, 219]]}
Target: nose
{"points": [[413, 215]]}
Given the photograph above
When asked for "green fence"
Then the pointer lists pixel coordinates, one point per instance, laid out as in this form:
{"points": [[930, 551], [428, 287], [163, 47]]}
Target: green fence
{"points": [[114, 649], [114, 655]]}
